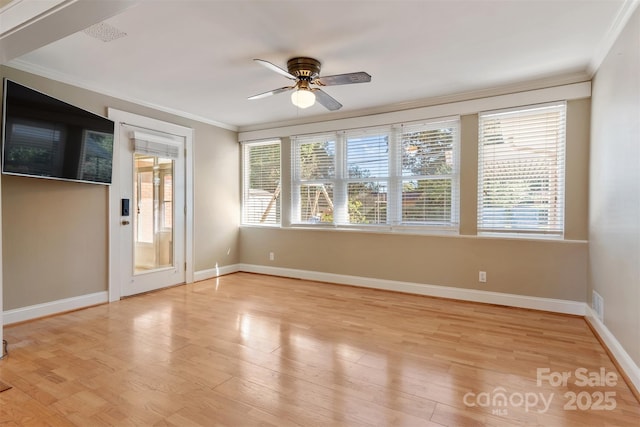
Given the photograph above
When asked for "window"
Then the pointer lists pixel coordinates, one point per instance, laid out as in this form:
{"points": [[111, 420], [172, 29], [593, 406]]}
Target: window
{"points": [[393, 176], [429, 174], [261, 185], [314, 178], [367, 177], [521, 160]]}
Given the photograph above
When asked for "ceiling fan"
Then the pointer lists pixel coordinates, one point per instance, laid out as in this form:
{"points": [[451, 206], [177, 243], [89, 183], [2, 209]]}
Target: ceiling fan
{"points": [[305, 72]]}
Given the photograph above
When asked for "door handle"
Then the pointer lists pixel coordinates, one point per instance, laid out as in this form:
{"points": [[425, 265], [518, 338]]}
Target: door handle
{"points": [[125, 222]]}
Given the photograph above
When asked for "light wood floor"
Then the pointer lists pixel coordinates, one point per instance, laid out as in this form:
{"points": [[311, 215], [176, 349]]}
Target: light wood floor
{"points": [[247, 350]]}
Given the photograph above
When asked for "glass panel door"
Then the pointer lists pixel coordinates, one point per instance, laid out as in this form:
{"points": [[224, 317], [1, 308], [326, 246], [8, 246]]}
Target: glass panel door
{"points": [[153, 215]]}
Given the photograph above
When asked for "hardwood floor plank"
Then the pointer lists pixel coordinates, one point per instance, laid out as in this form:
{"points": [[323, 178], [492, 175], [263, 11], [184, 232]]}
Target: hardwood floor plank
{"points": [[246, 349]]}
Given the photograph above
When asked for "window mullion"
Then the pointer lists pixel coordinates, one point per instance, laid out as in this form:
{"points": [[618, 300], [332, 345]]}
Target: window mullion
{"points": [[294, 213], [340, 198], [394, 202]]}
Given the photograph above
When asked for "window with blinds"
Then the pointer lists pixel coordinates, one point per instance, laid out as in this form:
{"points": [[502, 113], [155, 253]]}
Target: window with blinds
{"points": [[392, 176], [261, 183], [521, 169], [367, 177], [314, 175], [429, 173]]}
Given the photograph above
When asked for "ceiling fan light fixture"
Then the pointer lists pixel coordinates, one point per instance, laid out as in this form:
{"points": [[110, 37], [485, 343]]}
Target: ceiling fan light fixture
{"points": [[303, 98], [305, 72]]}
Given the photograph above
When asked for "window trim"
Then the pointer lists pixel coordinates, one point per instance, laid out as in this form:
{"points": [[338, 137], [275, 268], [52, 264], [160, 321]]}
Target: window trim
{"points": [[394, 179], [560, 193], [245, 171], [454, 224]]}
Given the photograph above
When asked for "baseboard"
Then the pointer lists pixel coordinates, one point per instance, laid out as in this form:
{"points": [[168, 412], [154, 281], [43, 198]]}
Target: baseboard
{"points": [[215, 272], [54, 307], [512, 300], [60, 306], [618, 353]]}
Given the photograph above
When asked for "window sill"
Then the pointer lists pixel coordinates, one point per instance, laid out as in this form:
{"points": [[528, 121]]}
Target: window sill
{"points": [[415, 231], [376, 229], [522, 236]]}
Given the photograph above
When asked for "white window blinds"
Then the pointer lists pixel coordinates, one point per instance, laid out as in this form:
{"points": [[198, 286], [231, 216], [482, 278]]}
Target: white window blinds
{"points": [[261, 183], [429, 173], [402, 176], [367, 176], [313, 180], [521, 167], [155, 145]]}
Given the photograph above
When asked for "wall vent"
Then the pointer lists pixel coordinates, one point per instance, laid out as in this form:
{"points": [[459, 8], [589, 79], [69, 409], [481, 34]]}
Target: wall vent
{"points": [[597, 304]]}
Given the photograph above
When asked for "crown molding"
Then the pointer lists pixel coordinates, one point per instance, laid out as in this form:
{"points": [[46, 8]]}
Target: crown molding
{"points": [[617, 26]]}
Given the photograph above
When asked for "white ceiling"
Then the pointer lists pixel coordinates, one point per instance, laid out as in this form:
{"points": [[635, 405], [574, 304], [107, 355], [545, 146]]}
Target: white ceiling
{"points": [[195, 57]]}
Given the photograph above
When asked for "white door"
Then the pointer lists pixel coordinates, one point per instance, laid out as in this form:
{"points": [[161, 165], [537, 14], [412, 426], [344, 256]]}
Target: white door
{"points": [[149, 235]]}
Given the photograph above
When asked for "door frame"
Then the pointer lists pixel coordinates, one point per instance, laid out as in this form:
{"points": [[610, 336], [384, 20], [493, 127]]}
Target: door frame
{"points": [[120, 118]]}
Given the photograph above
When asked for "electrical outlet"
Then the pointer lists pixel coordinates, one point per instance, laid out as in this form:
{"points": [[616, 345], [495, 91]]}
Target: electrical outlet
{"points": [[482, 276], [272, 256], [597, 303]]}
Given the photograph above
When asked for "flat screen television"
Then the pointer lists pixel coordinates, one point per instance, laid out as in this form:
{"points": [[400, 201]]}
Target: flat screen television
{"points": [[48, 138]]}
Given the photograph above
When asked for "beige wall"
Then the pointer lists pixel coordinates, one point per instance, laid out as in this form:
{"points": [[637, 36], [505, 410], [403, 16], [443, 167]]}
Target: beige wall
{"points": [[216, 198], [54, 237], [541, 268], [524, 267], [576, 196], [614, 223], [40, 265]]}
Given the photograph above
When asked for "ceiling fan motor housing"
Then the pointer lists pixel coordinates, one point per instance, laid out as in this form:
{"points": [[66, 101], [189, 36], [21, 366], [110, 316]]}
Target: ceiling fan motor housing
{"points": [[304, 68]]}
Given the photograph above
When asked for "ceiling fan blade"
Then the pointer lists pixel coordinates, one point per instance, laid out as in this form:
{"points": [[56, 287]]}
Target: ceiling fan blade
{"points": [[275, 68], [326, 100], [343, 79], [271, 92]]}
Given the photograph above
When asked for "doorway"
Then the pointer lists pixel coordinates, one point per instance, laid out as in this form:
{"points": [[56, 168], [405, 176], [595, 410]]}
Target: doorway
{"points": [[151, 230]]}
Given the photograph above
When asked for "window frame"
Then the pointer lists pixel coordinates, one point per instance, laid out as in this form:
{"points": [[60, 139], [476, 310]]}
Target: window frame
{"points": [[276, 202], [297, 181], [453, 226], [393, 179], [506, 228]]}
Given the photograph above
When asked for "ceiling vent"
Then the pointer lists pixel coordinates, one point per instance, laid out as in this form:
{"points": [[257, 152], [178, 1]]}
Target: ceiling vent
{"points": [[104, 32]]}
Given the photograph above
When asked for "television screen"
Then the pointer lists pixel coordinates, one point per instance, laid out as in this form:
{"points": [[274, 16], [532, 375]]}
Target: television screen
{"points": [[48, 138]]}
